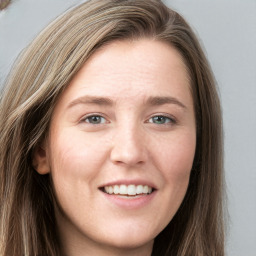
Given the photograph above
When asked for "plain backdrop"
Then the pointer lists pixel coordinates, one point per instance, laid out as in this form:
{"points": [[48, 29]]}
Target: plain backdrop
{"points": [[227, 32]]}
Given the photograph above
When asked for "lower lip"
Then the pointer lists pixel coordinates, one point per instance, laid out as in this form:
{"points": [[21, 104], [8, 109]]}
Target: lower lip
{"points": [[130, 202]]}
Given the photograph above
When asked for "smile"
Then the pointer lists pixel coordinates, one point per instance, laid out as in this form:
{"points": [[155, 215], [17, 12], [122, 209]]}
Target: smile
{"points": [[128, 190]]}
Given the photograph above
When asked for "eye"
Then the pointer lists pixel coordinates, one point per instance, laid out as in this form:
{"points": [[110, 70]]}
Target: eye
{"points": [[95, 119], [161, 120]]}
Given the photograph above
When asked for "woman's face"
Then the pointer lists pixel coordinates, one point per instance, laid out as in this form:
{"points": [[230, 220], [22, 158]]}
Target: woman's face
{"points": [[120, 148]]}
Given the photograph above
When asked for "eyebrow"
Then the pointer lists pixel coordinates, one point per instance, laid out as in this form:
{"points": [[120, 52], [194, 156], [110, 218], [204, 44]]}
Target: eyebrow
{"points": [[104, 101], [157, 101], [94, 100]]}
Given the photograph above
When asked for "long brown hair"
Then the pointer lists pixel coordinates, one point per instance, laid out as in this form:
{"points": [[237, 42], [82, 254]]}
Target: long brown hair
{"points": [[41, 73]]}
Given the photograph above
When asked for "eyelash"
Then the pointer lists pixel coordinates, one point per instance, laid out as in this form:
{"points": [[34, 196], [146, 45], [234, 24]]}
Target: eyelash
{"points": [[93, 116], [167, 120]]}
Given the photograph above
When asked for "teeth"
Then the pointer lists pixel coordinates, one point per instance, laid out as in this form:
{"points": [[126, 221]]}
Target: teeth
{"points": [[130, 190], [145, 189], [110, 190], [139, 189], [116, 189], [123, 190]]}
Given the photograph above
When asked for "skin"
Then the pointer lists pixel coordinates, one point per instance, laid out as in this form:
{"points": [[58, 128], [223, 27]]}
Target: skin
{"points": [[130, 138]]}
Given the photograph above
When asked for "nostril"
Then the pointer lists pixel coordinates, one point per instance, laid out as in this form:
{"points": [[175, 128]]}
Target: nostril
{"points": [[128, 156]]}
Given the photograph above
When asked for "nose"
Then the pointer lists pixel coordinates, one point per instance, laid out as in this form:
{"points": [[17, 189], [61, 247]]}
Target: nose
{"points": [[129, 147]]}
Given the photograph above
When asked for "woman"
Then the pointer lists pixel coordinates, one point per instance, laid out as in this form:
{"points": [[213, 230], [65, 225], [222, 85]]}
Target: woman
{"points": [[111, 138]]}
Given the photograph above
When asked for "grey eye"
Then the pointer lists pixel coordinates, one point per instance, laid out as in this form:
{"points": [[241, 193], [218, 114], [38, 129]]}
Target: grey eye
{"points": [[95, 120], [160, 120]]}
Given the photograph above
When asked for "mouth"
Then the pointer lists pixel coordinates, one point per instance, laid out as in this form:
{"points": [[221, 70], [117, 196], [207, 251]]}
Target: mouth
{"points": [[128, 190]]}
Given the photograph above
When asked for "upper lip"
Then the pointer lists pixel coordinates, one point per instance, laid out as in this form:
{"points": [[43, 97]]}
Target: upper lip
{"points": [[129, 182]]}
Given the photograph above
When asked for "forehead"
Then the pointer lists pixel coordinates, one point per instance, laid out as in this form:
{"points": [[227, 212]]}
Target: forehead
{"points": [[123, 69]]}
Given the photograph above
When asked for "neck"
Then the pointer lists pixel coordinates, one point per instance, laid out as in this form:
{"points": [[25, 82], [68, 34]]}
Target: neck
{"points": [[88, 250]]}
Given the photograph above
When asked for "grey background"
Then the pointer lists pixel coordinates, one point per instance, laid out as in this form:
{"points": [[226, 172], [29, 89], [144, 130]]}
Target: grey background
{"points": [[227, 30]]}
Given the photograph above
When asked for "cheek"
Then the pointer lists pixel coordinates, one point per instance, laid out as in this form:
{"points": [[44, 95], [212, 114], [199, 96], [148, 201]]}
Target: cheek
{"points": [[75, 149], [175, 159], [74, 159]]}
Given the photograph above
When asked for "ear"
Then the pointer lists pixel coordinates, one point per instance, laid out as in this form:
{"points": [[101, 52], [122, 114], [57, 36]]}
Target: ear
{"points": [[40, 160]]}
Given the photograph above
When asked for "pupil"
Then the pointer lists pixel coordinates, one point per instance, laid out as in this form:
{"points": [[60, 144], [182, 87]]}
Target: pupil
{"points": [[159, 119], [95, 119]]}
